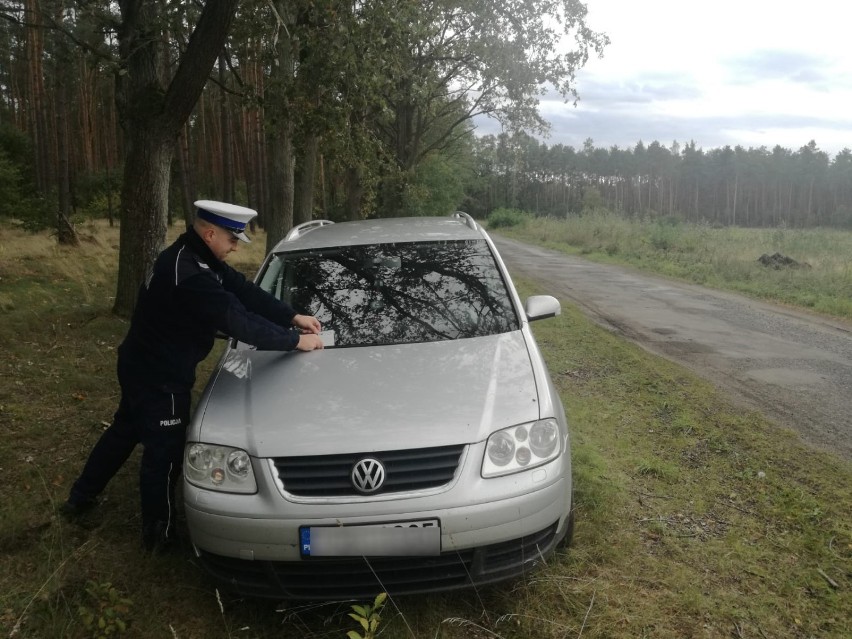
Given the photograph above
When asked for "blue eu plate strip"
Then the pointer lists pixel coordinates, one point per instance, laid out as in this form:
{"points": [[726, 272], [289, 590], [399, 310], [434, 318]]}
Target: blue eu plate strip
{"points": [[305, 540]]}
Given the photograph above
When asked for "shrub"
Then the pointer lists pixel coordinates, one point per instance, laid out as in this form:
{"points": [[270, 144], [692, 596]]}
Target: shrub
{"points": [[506, 218], [592, 199], [98, 207], [106, 612], [663, 233], [11, 196]]}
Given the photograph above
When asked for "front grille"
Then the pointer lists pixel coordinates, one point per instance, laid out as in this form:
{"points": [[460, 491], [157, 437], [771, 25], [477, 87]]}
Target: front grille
{"points": [[319, 579], [405, 470]]}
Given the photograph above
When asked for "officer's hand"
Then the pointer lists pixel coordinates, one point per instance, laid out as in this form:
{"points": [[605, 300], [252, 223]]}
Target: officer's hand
{"points": [[309, 342], [307, 323]]}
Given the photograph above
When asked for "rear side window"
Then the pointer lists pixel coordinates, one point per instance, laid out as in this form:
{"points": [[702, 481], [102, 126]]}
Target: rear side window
{"points": [[396, 293]]}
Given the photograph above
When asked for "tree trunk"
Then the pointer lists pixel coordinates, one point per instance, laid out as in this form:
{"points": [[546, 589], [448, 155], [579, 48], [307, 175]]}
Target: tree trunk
{"points": [[736, 193], [151, 116], [187, 179], [256, 182], [65, 232], [303, 210], [809, 211], [227, 146], [43, 141], [280, 140], [280, 207], [323, 193], [144, 200], [354, 193]]}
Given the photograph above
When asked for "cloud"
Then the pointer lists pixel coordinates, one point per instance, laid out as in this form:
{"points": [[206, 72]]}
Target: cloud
{"points": [[646, 89], [622, 127], [792, 66], [731, 72]]}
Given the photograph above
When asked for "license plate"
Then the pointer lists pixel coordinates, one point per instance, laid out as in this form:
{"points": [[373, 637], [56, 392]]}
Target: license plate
{"points": [[398, 539]]}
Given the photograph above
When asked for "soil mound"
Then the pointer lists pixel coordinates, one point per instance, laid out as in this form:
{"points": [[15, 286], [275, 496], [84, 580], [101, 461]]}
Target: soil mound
{"points": [[779, 261]]}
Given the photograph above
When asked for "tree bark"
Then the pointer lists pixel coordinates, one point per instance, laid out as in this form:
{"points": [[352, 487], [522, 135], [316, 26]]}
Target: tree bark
{"points": [[255, 142], [280, 206], [65, 233], [227, 146], [152, 114], [187, 178], [144, 198], [37, 111], [303, 210], [354, 193], [279, 216]]}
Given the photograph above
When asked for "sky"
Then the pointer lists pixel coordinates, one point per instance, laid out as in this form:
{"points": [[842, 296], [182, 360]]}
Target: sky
{"points": [[722, 72]]}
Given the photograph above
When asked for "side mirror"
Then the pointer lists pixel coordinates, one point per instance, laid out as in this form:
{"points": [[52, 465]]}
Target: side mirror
{"points": [[541, 306]]}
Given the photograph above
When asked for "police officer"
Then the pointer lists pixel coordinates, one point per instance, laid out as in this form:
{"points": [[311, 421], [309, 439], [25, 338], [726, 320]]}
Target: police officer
{"points": [[190, 295]]}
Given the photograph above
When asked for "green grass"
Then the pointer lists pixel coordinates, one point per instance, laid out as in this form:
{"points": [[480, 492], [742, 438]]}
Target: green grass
{"points": [[721, 520], [695, 519], [725, 258]]}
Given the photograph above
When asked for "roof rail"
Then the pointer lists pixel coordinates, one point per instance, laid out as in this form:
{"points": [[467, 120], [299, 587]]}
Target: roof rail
{"points": [[467, 219], [298, 231]]}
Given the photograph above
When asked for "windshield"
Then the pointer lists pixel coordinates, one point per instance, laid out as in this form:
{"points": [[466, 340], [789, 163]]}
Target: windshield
{"points": [[396, 293]]}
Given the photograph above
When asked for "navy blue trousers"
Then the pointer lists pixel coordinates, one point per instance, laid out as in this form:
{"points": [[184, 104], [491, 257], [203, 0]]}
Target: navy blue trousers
{"points": [[157, 419]]}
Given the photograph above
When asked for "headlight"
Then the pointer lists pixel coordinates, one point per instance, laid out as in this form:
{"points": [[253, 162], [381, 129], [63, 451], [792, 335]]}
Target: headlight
{"points": [[218, 468], [521, 447]]}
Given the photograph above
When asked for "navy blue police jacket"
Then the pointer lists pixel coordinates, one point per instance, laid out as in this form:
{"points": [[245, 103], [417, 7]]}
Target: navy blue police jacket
{"points": [[187, 298]]}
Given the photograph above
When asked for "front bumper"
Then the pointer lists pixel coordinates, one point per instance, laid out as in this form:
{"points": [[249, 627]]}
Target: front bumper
{"points": [[493, 539], [364, 578]]}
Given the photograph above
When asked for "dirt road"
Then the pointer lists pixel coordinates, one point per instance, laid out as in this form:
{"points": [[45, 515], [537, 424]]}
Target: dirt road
{"points": [[794, 367]]}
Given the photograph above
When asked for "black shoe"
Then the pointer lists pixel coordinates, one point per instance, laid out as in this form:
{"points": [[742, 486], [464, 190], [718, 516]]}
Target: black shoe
{"points": [[73, 510], [158, 537]]}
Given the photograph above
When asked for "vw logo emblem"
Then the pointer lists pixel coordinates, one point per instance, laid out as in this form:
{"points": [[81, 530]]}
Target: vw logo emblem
{"points": [[368, 475]]}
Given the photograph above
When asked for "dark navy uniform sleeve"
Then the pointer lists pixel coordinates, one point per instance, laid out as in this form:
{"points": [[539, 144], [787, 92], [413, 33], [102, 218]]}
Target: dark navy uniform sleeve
{"points": [[207, 300], [255, 298]]}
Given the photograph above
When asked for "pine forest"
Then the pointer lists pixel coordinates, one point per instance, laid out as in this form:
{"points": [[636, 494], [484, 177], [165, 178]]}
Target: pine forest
{"points": [[131, 110]]}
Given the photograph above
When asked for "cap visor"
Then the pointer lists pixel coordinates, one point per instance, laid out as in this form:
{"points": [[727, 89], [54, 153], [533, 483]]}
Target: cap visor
{"points": [[241, 236]]}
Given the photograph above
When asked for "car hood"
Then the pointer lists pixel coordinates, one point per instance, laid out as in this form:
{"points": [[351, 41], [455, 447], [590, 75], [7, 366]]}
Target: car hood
{"points": [[343, 400]]}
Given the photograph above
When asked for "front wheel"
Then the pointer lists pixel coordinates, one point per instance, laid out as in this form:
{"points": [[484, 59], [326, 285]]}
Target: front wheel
{"points": [[569, 527]]}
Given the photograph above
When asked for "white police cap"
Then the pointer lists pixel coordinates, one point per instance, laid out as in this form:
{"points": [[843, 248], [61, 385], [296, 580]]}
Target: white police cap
{"points": [[230, 217]]}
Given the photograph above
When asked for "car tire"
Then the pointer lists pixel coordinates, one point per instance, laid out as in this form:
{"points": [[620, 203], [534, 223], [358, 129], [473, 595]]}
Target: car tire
{"points": [[569, 527]]}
